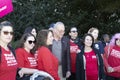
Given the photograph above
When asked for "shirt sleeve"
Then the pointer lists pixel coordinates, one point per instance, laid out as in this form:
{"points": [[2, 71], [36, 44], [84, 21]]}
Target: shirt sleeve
{"points": [[117, 68], [105, 56], [19, 57]]}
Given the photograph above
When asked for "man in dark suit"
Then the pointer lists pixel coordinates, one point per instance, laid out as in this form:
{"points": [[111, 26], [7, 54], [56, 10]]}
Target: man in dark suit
{"points": [[61, 49]]}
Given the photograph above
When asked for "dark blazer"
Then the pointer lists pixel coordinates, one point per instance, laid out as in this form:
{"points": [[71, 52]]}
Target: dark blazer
{"points": [[80, 65], [65, 55]]}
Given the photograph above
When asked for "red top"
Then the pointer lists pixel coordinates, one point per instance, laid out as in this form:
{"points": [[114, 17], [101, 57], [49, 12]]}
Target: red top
{"points": [[113, 59], [8, 65], [48, 62], [25, 59], [91, 66], [73, 51]]}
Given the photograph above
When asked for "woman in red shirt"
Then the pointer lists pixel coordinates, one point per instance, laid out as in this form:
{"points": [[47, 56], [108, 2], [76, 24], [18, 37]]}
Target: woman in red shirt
{"points": [[112, 58], [8, 63], [46, 60], [25, 54], [89, 64]]}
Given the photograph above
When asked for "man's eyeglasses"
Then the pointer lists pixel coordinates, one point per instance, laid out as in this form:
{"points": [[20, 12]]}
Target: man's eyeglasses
{"points": [[6, 33], [30, 42]]}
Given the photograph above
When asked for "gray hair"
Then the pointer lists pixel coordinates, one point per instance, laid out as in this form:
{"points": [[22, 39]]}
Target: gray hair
{"points": [[58, 23]]}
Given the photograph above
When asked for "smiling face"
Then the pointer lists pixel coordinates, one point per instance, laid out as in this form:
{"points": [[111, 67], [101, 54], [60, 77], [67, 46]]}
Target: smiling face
{"points": [[88, 41], [95, 33], [6, 34]]}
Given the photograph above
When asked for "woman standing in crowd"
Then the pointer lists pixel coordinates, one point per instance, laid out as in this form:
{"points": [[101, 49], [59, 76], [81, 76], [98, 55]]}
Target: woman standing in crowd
{"points": [[112, 58], [46, 60], [74, 49], [8, 63], [29, 30], [97, 44], [89, 64]]}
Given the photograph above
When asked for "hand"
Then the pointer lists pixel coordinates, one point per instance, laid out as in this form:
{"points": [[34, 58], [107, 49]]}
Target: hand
{"points": [[21, 73], [78, 51], [68, 74], [110, 69]]}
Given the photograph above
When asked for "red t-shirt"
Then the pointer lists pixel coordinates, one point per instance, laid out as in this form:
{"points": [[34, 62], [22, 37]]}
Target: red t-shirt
{"points": [[25, 59], [48, 62], [91, 65], [73, 51], [8, 65], [114, 61]]}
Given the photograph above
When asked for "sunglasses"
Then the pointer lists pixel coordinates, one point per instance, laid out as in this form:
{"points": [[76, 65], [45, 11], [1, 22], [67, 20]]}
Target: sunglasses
{"points": [[6, 33], [74, 31], [30, 42]]}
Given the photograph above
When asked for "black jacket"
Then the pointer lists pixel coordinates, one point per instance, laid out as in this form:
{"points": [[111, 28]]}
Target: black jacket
{"points": [[80, 65], [65, 55]]}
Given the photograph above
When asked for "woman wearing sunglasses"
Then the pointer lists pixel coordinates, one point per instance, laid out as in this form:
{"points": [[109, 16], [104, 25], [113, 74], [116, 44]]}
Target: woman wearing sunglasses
{"points": [[25, 54], [8, 63], [46, 60]]}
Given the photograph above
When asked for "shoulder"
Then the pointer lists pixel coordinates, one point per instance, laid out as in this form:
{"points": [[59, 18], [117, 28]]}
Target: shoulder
{"points": [[43, 49], [65, 38], [19, 49], [108, 46]]}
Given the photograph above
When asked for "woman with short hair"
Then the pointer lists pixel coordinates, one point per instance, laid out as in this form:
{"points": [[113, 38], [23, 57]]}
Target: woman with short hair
{"points": [[8, 63]]}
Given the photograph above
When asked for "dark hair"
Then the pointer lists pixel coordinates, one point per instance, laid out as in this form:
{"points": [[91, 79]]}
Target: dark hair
{"points": [[83, 40], [42, 38], [23, 39], [29, 29], [51, 25], [4, 24]]}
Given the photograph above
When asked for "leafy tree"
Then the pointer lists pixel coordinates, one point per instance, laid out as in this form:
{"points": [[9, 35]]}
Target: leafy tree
{"points": [[103, 14]]}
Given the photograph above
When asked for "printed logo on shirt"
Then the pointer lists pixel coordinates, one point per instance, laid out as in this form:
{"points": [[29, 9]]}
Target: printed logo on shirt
{"points": [[11, 61], [93, 57], [115, 53], [32, 61], [96, 46]]}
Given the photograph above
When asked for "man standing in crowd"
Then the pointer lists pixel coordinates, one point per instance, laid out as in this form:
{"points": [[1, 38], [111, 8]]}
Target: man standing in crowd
{"points": [[61, 49]]}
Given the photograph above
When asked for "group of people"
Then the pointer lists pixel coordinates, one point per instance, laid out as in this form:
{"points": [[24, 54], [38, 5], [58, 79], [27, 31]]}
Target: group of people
{"points": [[57, 57]]}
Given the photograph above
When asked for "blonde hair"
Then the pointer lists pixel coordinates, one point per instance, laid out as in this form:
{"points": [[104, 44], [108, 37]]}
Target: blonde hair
{"points": [[92, 29]]}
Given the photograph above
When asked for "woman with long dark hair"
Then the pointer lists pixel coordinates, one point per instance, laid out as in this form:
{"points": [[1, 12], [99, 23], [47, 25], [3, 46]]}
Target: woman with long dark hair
{"points": [[46, 60], [89, 64]]}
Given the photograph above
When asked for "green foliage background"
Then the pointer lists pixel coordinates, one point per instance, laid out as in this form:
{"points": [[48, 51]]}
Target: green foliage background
{"points": [[103, 14]]}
